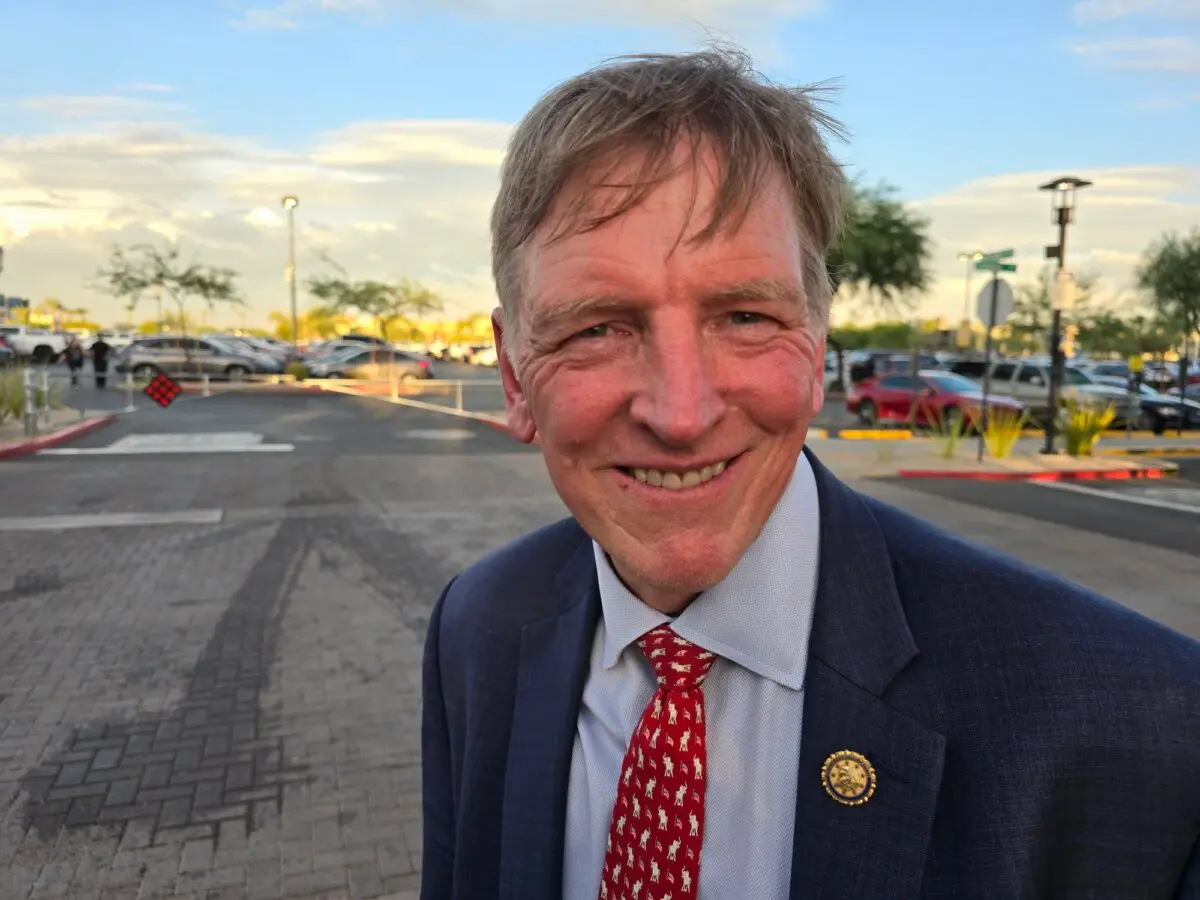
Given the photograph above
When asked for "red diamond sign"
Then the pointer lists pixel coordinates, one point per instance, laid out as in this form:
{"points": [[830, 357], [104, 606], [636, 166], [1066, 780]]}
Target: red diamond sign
{"points": [[162, 390]]}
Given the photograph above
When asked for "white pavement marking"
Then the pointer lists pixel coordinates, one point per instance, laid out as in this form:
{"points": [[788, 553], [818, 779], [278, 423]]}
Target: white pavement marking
{"points": [[439, 434], [113, 520], [203, 442], [1120, 496]]}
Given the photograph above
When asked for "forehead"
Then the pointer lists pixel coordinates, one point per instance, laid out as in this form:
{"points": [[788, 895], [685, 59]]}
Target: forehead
{"points": [[661, 242]]}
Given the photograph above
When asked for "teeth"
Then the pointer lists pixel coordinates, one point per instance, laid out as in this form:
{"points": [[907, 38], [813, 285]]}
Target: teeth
{"points": [[677, 481]]}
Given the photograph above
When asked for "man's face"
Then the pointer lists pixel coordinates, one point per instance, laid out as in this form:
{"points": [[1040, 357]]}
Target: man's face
{"points": [[670, 384]]}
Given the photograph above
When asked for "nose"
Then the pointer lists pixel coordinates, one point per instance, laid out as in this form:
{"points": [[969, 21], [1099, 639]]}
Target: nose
{"points": [[679, 400]]}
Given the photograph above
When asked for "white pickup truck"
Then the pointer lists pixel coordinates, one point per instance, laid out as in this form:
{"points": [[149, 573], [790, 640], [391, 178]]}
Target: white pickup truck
{"points": [[1027, 380], [37, 344]]}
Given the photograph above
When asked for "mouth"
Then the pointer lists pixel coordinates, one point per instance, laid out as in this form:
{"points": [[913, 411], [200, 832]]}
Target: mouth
{"points": [[681, 479]]}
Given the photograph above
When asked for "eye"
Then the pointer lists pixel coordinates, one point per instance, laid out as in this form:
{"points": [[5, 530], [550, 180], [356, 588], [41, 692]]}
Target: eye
{"points": [[595, 331], [742, 317]]}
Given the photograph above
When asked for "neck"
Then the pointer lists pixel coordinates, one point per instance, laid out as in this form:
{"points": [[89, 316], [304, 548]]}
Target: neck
{"points": [[664, 600]]}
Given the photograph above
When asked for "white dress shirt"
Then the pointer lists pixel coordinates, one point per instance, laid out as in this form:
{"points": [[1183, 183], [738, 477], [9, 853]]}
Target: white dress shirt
{"points": [[757, 621]]}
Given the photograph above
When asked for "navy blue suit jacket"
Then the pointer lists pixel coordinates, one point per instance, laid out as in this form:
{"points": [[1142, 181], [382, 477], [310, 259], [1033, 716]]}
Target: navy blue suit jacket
{"points": [[1030, 739]]}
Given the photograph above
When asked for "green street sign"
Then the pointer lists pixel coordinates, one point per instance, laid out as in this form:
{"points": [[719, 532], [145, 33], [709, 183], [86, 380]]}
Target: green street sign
{"points": [[993, 264]]}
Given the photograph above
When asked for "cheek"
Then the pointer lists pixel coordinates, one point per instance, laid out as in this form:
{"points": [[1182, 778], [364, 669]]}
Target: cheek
{"points": [[573, 409], [780, 389]]}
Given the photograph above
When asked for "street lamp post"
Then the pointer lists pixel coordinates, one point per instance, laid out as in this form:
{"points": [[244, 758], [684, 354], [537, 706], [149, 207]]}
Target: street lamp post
{"points": [[970, 259], [290, 203], [1062, 204]]}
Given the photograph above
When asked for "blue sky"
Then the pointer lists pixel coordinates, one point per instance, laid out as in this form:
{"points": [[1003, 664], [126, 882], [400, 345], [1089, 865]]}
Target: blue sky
{"points": [[938, 96]]}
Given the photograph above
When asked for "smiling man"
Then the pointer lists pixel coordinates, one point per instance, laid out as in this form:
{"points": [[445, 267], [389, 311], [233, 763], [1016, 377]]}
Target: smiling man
{"points": [[728, 675]]}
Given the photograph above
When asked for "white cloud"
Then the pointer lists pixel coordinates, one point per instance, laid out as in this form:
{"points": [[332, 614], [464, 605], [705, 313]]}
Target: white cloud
{"points": [[1095, 11], [732, 14], [391, 199], [108, 107], [149, 87], [387, 199], [1115, 220], [1177, 53]]}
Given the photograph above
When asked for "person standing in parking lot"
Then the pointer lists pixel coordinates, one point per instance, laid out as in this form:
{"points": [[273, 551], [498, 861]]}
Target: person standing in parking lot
{"points": [[728, 673], [73, 357], [100, 351]]}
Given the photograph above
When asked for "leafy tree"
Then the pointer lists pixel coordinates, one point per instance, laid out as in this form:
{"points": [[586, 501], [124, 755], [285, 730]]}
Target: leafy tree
{"points": [[1170, 276], [883, 257], [134, 270], [387, 303]]}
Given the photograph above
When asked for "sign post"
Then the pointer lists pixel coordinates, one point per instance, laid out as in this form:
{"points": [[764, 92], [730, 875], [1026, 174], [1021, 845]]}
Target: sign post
{"points": [[993, 306]]}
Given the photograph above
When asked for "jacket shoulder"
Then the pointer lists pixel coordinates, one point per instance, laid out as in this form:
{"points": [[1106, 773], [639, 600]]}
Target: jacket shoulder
{"points": [[515, 583]]}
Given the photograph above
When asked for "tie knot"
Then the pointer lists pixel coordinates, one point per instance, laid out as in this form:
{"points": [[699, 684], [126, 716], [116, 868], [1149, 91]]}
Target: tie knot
{"points": [[679, 664]]}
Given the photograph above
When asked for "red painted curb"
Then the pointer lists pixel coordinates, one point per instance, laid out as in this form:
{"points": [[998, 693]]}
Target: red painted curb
{"points": [[53, 440], [1069, 475]]}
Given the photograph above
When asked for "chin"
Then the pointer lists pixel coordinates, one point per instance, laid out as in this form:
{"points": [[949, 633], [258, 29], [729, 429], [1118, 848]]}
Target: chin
{"points": [[683, 564]]}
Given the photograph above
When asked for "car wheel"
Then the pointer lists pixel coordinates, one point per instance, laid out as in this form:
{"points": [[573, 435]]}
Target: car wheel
{"points": [[336, 375], [236, 373], [408, 378], [867, 413], [43, 355], [144, 372]]}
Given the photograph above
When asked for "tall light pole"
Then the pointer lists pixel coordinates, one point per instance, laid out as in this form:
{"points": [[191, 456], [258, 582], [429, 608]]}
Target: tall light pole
{"points": [[970, 259], [1062, 204], [290, 203]]}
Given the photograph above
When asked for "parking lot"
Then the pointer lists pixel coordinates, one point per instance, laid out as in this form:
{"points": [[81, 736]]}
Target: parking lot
{"points": [[211, 620]]}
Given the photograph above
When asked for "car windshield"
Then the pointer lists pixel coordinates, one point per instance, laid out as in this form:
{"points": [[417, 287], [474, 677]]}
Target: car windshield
{"points": [[953, 383], [1074, 376]]}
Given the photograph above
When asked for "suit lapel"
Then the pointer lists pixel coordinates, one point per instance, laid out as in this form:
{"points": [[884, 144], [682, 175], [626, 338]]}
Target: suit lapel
{"points": [[860, 643], [550, 680]]}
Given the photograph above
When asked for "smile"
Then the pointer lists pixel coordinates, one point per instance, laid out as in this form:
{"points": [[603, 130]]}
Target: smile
{"points": [[679, 479]]}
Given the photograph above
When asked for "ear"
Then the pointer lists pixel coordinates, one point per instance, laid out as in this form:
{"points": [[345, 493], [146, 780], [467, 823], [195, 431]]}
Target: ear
{"points": [[520, 419]]}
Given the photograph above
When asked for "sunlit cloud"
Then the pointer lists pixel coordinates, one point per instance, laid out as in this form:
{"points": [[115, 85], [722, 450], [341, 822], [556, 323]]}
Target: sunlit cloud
{"points": [[1096, 11], [391, 199], [1177, 53], [291, 14]]}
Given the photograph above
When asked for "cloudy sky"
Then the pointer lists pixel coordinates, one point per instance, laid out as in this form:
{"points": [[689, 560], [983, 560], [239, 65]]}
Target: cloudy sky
{"points": [[136, 119]]}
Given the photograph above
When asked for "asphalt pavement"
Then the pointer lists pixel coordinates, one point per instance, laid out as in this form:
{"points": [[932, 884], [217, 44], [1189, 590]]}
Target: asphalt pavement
{"points": [[209, 653], [1158, 513], [212, 615]]}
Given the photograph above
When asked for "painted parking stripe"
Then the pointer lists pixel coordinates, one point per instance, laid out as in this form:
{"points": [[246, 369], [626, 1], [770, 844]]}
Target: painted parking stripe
{"points": [[186, 442], [112, 520], [1120, 496]]}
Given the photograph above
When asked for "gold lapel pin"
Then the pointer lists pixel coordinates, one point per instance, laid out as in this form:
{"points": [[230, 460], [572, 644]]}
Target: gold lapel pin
{"points": [[848, 777]]}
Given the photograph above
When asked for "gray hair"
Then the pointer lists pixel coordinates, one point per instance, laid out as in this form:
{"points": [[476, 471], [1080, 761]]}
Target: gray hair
{"points": [[644, 106]]}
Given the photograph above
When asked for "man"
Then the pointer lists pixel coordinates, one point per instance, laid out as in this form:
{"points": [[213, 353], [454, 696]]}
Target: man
{"points": [[100, 351], [728, 675]]}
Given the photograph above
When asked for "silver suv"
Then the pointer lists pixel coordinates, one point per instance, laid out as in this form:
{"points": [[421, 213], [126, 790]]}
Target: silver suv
{"points": [[183, 358]]}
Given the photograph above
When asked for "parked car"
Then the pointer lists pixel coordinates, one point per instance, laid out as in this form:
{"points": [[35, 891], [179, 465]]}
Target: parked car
{"points": [[184, 357], [371, 364], [933, 397], [1028, 380], [1161, 411]]}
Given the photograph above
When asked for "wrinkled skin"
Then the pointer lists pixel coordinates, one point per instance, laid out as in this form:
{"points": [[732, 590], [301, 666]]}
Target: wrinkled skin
{"points": [[636, 350]]}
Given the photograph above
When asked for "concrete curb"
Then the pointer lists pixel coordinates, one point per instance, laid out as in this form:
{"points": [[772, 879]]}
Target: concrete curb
{"points": [[62, 436], [873, 434], [1151, 472]]}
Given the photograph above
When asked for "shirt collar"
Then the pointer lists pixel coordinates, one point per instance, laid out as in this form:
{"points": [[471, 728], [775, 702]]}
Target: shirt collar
{"points": [[760, 615]]}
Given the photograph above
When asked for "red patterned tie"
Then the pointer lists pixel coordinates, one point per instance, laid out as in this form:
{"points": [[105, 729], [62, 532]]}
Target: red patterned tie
{"points": [[658, 818]]}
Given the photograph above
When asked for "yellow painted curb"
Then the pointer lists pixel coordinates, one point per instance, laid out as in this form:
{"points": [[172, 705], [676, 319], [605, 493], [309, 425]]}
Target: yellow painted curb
{"points": [[877, 434], [1162, 452], [815, 433]]}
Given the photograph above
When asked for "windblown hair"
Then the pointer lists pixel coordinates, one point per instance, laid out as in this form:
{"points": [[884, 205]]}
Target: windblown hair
{"points": [[639, 109]]}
